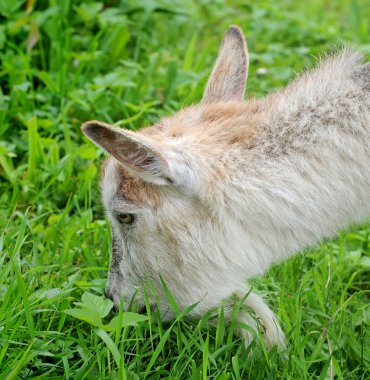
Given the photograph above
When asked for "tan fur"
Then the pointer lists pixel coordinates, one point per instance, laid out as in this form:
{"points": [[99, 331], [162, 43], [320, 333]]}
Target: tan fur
{"points": [[137, 191]]}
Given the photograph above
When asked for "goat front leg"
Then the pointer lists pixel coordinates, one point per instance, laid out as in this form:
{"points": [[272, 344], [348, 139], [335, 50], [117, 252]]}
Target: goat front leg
{"points": [[255, 313]]}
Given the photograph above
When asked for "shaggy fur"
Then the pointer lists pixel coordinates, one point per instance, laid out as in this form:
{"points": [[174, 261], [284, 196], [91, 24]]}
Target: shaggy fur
{"points": [[222, 190]]}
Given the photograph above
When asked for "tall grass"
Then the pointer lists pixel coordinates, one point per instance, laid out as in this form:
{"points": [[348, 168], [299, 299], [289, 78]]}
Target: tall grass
{"points": [[130, 62]]}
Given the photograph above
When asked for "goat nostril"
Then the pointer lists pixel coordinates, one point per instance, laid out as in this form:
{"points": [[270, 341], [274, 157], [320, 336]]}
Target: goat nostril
{"points": [[142, 309]]}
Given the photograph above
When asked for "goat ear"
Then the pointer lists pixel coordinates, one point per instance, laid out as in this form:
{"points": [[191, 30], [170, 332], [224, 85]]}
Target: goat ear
{"points": [[142, 157], [151, 161], [229, 75]]}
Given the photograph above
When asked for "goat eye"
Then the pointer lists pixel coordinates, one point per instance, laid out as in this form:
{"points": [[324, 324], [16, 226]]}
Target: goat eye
{"points": [[125, 218]]}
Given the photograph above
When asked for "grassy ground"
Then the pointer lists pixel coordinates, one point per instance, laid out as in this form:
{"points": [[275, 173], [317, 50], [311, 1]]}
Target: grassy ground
{"points": [[129, 62]]}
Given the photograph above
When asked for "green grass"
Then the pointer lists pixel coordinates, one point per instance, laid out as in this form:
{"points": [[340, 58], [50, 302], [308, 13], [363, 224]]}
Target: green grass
{"points": [[129, 62]]}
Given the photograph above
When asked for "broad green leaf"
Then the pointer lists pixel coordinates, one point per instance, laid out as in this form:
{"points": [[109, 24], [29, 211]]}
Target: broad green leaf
{"points": [[126, 319], [102, 306], [85, 315]]}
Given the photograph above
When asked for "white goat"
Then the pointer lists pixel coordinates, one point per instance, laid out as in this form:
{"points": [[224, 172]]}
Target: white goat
{"points": [[215, 194]]}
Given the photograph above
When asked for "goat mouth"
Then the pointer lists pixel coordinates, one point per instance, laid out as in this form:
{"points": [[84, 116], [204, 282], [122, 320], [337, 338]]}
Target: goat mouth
{"points": [[143, 309]]}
